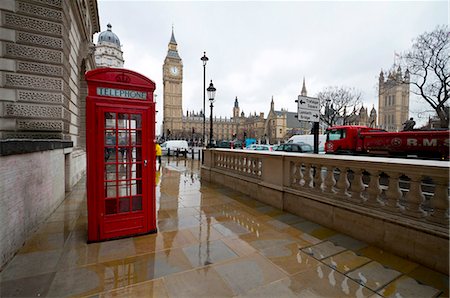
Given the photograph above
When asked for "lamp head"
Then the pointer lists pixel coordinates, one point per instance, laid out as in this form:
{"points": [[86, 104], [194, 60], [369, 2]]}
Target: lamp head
{"points": [[204, 59], [211, 91]]}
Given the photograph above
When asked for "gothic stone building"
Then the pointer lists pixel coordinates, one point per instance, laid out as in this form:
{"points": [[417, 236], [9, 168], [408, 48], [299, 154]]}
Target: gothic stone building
{"points": [[278, 126], [393, 99], [46, 49]]}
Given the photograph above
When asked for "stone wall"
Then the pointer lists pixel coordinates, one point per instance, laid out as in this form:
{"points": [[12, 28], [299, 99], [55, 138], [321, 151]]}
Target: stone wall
{"points": [[45, 49], [396, 204], [31, 187]]}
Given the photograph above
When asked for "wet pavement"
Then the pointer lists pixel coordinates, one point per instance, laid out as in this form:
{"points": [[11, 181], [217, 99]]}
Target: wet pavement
{"points": [[211, 242]]}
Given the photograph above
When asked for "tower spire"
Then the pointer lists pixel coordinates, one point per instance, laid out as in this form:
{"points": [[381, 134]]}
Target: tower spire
{"points": [[304, 92], [172, 38]]}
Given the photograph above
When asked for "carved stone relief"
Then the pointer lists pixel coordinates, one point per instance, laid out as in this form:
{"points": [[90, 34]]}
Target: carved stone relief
{"points": [[39, 68], [39, 11], [36, 96], [56, 3], [36, 25], [33, 111], [36, 39], [43, 125], [39, 54], [19, 80]]}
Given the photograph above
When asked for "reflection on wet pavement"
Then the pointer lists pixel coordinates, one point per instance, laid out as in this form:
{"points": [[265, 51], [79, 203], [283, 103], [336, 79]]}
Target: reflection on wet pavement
{"points": [[211, 242]]}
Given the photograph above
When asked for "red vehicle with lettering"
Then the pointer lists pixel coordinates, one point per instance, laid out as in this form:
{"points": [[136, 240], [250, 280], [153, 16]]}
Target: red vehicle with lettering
{"points": [[352, 139]]}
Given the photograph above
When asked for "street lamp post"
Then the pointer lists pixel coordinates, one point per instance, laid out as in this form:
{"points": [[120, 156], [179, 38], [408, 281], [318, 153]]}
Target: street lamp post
{"points": [[211, 94], [204, 60]]}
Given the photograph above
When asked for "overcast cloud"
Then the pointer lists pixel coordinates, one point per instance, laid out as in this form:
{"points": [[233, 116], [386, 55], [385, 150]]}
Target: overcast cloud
{"points": [[262, 49]]}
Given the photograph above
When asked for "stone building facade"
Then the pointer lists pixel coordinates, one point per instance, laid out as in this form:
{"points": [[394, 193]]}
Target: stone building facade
{"points": [[108, 51], [393, 99], [46, 49]]}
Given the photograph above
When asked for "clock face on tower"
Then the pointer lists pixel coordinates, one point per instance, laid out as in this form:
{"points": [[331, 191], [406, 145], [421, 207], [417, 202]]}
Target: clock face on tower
{"points": [[174, 70]]}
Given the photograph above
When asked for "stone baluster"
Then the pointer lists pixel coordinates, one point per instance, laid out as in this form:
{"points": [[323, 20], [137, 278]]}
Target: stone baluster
{"points": [[318, 177], [393, 193], [295, 174], [342, 184], [440, 202], [414, 198], [329, 180], [308, 176], [253, 166], [357, 186], [374, 189]]}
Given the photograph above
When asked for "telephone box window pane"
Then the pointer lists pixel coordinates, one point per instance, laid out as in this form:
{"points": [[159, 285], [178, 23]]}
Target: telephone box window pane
{"points": [[110, 171], [110, 155], [123, 156], [124, 188], [124, 205], [136, 121], [110, 207], [136, 187], [110, 189], [123, 122], [136, 154], [123, 138], [110, 138], [137, 203], [122, 171], [110, 120], [133, 171], [136, 137]]}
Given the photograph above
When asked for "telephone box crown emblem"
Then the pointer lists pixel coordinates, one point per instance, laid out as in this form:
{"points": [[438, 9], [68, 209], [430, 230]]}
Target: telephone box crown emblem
{"points": [[123, 78]]}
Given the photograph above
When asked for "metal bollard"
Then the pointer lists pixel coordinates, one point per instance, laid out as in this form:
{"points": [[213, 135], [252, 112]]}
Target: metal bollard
{"points": [[168, 151]]}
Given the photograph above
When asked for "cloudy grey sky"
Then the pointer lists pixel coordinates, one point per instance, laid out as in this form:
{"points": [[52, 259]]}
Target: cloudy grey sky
{"points": [[260, 49]]}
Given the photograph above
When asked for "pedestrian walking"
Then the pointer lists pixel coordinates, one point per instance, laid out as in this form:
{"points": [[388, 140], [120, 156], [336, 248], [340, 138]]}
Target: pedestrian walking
{"points": [[158, 153]]}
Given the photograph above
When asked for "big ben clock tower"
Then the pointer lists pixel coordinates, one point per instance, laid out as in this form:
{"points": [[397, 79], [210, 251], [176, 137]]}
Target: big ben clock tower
{"points": [[172, 102]]}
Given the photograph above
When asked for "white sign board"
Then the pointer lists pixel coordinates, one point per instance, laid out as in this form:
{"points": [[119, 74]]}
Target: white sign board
{"points": [[308, 109]]}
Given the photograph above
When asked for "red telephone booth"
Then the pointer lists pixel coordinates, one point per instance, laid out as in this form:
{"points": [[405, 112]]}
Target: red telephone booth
{"points": [[120, 134]]}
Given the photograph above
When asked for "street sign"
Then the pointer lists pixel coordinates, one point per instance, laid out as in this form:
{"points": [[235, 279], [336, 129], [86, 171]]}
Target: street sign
{"points": [[308, 109]]}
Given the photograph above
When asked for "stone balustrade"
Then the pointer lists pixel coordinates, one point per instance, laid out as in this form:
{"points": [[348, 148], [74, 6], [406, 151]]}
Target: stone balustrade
{"points": [[398, 204]]}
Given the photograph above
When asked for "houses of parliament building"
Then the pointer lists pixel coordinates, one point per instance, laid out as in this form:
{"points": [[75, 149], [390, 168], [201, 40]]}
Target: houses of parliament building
{"points": [[279, 125]]}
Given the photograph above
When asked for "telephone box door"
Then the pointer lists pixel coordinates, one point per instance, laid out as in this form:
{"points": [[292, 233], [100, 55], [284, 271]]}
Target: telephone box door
{"points": [[124, 193]]}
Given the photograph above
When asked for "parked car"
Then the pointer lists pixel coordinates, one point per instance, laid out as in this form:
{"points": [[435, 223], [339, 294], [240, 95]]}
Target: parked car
{"points": [[174, 146], [224, 144], [237, 144], [260, 147], [296, 147]]}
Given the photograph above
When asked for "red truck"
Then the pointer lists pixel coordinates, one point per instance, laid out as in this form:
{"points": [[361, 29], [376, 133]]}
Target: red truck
{"points": [[352, 139]]}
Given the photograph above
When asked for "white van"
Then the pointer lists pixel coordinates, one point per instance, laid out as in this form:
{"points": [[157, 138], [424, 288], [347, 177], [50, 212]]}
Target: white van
{"points": [[309, 139], [174, 146]]}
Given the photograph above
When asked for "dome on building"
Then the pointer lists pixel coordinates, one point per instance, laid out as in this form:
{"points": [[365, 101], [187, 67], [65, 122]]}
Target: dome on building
{"points": [[108, 52], [109, 36]]}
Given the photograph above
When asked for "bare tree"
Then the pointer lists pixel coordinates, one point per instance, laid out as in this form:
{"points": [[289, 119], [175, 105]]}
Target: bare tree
{"points": [[428, 64], [338, 103]]}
